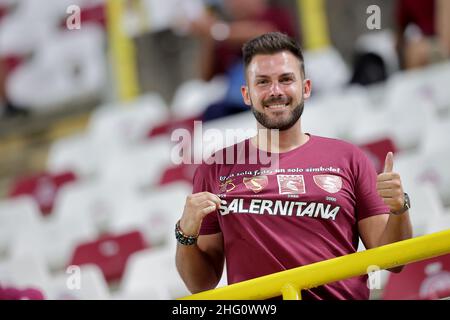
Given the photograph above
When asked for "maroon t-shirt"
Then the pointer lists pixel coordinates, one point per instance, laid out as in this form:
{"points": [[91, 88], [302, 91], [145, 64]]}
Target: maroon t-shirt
{"points": [[303, 211]]}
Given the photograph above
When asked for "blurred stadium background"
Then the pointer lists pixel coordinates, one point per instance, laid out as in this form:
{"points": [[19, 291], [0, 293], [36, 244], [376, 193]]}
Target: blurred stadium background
{"points": [[86, 116]]}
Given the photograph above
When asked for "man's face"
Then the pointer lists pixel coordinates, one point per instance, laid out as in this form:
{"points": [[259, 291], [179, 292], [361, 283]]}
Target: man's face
{"points": [[276, 90]]}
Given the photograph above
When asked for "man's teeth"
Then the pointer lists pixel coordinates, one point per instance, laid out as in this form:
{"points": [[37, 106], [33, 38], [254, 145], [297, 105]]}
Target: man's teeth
{"points": [[277, 106]]}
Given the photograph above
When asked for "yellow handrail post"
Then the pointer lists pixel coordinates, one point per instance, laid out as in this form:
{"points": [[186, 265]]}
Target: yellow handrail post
{"points": [[290, 292], [314, 24], [122, 52]]}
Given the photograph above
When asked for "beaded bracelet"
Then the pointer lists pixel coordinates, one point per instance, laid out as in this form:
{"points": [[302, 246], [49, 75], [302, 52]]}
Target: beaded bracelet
{"points": [[182, 238]]}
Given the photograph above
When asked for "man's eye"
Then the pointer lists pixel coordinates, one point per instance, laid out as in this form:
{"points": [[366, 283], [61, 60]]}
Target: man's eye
{"points": [[261, 82], [286, 80]]}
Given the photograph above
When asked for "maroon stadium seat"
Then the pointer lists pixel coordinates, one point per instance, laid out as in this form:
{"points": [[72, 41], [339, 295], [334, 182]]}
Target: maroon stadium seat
{"points": [[168, 126], [14, 293], [110, 253], [42, 187], [377, 150], [3, 11], [423, 280], [94, 14], [182, 172]]}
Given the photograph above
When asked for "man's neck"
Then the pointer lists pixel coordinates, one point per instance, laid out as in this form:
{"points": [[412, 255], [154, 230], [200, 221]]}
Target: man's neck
{"points": [[280, 141]]}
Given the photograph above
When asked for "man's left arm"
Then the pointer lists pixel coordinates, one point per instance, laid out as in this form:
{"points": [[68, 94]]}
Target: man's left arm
{"points": [[395, 226]]}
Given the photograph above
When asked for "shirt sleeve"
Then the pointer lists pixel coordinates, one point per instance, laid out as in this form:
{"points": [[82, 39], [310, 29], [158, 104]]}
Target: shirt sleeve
{"points": [[203, 181], [368, 201]]}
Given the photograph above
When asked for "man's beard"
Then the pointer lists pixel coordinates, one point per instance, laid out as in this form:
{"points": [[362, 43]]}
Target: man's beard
{"points": [[281, 125]]}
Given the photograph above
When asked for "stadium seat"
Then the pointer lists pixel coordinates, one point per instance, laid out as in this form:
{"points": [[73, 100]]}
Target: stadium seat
{"points": [[124, 124], [427, 206], [422, 85], [11, 62], [320, 62], [73, 65], [90, 12], [420, 114], [74, 153], [178, 173], [153, 212], [194, 96], [92, 201], [433, 138], [342, 108], [138, 166], [429, 84], [152, 274], [110, 253], [17, 22], [54, 239], [42, 187], [381, 43], [377, 150], [153, 271], [166, 128], [15, 293], [371, 126], [3, 10], [423, 280], [161, 16], [25, 272], [223, 132], [91, 285], [439, 223], [15, 215], [434, 169], [417, 169]]}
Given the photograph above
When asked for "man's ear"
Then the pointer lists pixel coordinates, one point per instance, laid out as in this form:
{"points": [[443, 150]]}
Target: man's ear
{"points": [[306, 88], [246, 95]]}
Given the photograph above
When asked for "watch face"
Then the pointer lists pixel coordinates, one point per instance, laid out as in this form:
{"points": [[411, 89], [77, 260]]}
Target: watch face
{"points": [[407, 202]]}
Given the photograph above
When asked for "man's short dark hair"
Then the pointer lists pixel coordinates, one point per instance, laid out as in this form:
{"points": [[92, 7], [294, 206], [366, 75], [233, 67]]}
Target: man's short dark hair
{"points": [[271, 43]]}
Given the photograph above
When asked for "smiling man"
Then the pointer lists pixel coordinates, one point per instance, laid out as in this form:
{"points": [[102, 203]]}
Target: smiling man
{"points": [[312, 204]]}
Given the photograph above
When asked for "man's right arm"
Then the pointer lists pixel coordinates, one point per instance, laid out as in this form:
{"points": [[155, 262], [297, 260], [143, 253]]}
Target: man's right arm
{"points": [[200, 265]]}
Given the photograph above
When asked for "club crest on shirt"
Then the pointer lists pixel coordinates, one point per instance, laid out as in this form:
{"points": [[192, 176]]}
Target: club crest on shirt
{"points": [[227, 186], [291, 184], [328, 182], [256, 183]]}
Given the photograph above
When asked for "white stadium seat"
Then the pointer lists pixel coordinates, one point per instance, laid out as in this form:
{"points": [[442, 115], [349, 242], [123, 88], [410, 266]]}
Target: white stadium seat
{"points": [[138, 166], [122, 124], [72, 64], [54, 240], [192, 97], [153, 212], [75, 153], [153, 270], [93, 201], [16, 215], [84, 282], [26, 271]]}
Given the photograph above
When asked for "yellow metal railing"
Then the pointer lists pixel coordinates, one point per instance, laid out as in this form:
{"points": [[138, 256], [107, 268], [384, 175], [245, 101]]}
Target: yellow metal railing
{"points": [[123, 52], [290, 282], [314, 24]]}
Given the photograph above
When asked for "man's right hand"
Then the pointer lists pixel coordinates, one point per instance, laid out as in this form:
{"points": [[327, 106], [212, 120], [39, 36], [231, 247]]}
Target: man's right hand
{"points": [[197, 206]]}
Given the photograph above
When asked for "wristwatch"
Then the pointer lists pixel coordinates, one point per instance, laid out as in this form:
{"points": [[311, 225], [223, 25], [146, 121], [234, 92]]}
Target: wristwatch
{"points": [[406, 205]]}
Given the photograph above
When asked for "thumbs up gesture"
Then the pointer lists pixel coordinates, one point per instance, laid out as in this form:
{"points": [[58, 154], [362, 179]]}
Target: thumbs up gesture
{"points": [[389, 186]]}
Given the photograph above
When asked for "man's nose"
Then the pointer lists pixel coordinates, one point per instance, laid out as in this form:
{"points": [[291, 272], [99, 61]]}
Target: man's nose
{"points": [[275, 89]]}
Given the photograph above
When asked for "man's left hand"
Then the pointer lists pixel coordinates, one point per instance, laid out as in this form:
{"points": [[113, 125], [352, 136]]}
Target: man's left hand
{"points": [[389, 186]]}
